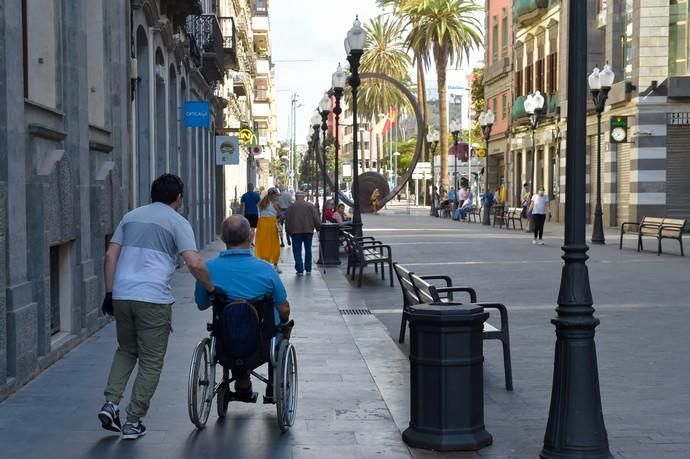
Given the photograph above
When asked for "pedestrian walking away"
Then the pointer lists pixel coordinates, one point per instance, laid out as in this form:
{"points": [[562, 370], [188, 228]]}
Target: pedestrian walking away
{"points": [[267, 238], [139, 265], [538, 210], [301, 220], [250, 208], [285, 199]]}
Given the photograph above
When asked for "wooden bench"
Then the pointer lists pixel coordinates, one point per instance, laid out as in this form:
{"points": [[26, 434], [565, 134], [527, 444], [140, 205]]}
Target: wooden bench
{"points": [[364, 251], [417, 290], [514, 215], [656, 227], [475, 214]]}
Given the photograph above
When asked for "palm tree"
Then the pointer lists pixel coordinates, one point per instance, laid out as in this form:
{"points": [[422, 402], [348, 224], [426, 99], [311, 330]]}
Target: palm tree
{"points": [[446, 30], [399, 8], [385, 53]]}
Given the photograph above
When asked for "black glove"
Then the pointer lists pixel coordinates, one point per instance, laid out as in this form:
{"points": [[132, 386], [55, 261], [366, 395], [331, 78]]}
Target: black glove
{"points": [[107, 306], [218, 297]]}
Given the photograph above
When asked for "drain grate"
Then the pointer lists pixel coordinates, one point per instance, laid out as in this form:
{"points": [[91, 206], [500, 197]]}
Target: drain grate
{"points": [[354, 312]]}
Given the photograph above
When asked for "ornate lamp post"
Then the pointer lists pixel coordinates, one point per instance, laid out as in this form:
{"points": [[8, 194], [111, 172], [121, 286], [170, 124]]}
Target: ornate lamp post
{"points": [[354, 46], [315, 125], [486, 121], [324, 109], [432, 138], [307, 167], [455, 128], [338, 81], [599, 85], [534, 106], [576, 423]]}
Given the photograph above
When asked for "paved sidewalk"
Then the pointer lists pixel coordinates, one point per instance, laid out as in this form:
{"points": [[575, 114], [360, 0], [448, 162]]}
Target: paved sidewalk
{"points": [[341, 413]]}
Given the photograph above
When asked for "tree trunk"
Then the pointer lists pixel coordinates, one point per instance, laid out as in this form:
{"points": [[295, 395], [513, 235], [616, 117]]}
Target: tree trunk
{"points": [[421, 99], [441, 64]]}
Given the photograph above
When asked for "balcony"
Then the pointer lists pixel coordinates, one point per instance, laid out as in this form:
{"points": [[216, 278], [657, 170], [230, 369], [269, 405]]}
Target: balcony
{"points": [[518, 110], [500, 67], [260, 24], [227, 27], [206, 45], [526, 11], [260, 8], [241, 83], [177, 10], [519, 113], [263, 66], [261, 95], [261, 110]]}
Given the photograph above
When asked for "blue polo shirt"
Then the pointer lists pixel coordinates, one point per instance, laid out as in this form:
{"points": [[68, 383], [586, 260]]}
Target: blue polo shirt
{"points": [[243, 277], [251, 200]]}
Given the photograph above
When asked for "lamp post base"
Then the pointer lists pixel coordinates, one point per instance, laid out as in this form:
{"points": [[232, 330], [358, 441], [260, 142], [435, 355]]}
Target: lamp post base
{"points": [[598, 229], [486, 217]]}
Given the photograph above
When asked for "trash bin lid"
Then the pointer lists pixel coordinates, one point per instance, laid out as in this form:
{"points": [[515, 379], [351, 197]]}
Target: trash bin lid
{"points": [[445, 311]]}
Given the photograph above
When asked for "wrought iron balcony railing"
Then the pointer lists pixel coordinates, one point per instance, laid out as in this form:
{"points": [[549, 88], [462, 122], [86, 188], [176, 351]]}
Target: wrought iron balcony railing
{"points": [[207, 45], [229, 31]]}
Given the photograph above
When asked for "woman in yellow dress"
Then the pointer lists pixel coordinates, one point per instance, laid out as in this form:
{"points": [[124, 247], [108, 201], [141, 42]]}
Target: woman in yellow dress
{"points": [[267, 245]]}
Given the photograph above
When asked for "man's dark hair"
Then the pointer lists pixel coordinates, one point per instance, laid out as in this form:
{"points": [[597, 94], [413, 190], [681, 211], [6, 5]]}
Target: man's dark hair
{"points": [[250, 187], [235, 230], [166, 188]]}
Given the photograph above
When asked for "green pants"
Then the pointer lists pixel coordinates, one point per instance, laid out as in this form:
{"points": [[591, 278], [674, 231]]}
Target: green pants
{"points": [[142, 336]]}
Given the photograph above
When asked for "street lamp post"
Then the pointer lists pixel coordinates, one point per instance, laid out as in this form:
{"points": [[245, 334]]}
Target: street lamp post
{"points": [[325, 109], [316, 124], [395, 168], [432, 138], [575, 428], [455, 128], [338, 80], [600, 85], [486, 121], [354, 45], [534, 106], [307, 166]]}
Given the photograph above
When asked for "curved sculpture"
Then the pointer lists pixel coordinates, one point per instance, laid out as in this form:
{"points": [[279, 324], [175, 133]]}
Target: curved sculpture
{"points": [[364, 199]]}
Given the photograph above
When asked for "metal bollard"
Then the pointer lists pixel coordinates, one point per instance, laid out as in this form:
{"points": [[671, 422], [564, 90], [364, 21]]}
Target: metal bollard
{"points": [[328, 240], [447, 378]]}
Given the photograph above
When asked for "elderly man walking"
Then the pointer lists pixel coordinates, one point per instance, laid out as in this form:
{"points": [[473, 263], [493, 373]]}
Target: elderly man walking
{"points": [[301, 220]]}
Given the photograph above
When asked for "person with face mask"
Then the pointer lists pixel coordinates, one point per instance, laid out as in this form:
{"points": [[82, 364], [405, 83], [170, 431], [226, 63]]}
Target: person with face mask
{"points": [[538, 209]]}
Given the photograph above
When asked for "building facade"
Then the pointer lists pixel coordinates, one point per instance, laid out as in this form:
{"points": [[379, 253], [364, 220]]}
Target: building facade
{"points": [[498, 88], [643, 173], [90, 93]]}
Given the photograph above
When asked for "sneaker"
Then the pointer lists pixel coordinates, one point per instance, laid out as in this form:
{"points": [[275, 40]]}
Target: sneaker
{"points": [[308, 273], [110, 417], [541, 242], [534, 242], [132, 431], [300, 273]]}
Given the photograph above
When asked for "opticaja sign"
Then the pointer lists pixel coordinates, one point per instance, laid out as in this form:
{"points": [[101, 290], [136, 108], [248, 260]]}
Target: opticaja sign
{"points": [[197, 114], [227, 150]]}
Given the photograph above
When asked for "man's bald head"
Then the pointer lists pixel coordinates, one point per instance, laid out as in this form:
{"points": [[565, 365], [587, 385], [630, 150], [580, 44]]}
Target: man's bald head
{"points": [[235, 232]]}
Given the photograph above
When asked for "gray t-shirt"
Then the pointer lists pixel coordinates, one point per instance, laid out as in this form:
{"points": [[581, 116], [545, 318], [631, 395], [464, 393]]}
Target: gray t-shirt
{"points": [[151, 237]]}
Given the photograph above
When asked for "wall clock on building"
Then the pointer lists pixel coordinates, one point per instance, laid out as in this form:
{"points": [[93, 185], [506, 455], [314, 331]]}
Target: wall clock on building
{"points": [[618, 134], [619, 129]]}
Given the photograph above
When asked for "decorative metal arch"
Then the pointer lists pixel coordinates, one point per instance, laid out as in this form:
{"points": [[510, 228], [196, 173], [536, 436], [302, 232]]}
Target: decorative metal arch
{"points": [[421, 130]]}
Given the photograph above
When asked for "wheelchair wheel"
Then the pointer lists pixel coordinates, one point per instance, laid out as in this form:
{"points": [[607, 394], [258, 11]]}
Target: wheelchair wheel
{"points": [[223, 400], [201, 386], [285, 386]]}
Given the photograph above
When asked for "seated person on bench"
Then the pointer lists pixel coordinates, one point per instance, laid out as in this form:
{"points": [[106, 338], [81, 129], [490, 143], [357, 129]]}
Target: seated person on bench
{"points": [[242, 276], [329, 210], [340, 217], [461, 212]]}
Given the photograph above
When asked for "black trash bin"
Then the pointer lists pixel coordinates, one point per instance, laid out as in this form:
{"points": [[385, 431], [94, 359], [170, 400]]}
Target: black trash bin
{"points": [[446, 378], [329, 254]]}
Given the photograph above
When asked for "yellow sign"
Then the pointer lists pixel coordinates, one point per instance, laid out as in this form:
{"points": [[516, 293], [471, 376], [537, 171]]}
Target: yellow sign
{"points": [[481, 152], [246, 136]]}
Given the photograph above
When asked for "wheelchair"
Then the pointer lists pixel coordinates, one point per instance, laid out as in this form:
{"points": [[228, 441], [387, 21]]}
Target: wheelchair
{"points": [[272, 348]]}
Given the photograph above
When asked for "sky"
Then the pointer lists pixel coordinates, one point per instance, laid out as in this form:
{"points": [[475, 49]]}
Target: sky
{"points": [[307, 45]]}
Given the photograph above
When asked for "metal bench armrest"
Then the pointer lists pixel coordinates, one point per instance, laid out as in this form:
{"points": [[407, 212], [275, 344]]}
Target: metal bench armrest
{"points": [[449, 281], [503, 312], [450, 290], [626, 224]]}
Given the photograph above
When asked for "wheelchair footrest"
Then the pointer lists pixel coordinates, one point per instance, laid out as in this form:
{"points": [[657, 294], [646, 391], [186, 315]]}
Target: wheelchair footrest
{"points": [[235, 398]]}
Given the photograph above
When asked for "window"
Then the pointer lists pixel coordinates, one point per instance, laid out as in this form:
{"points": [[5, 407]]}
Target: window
{"points": [[504, 106], [678, 43], [518, 83], [622, 30], [539, 85], [504, 34], [552, 73], [494, 107], [528, 79], [38, 31], [494, 40], [95, 49], [60, 289]]}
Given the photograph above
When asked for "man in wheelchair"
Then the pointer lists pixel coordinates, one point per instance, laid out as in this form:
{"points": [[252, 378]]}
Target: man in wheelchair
{"points": [[249, 293]]}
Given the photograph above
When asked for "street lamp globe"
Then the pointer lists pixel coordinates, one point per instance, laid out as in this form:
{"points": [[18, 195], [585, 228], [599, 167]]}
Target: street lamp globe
{"points": [[356, 37], [538, 100], [435, 136], [454, 126], [490, 117], [606, 77], [325, 103], [430, 137], [594, 80], [316, 119], [339, 78], [397, 153]]}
